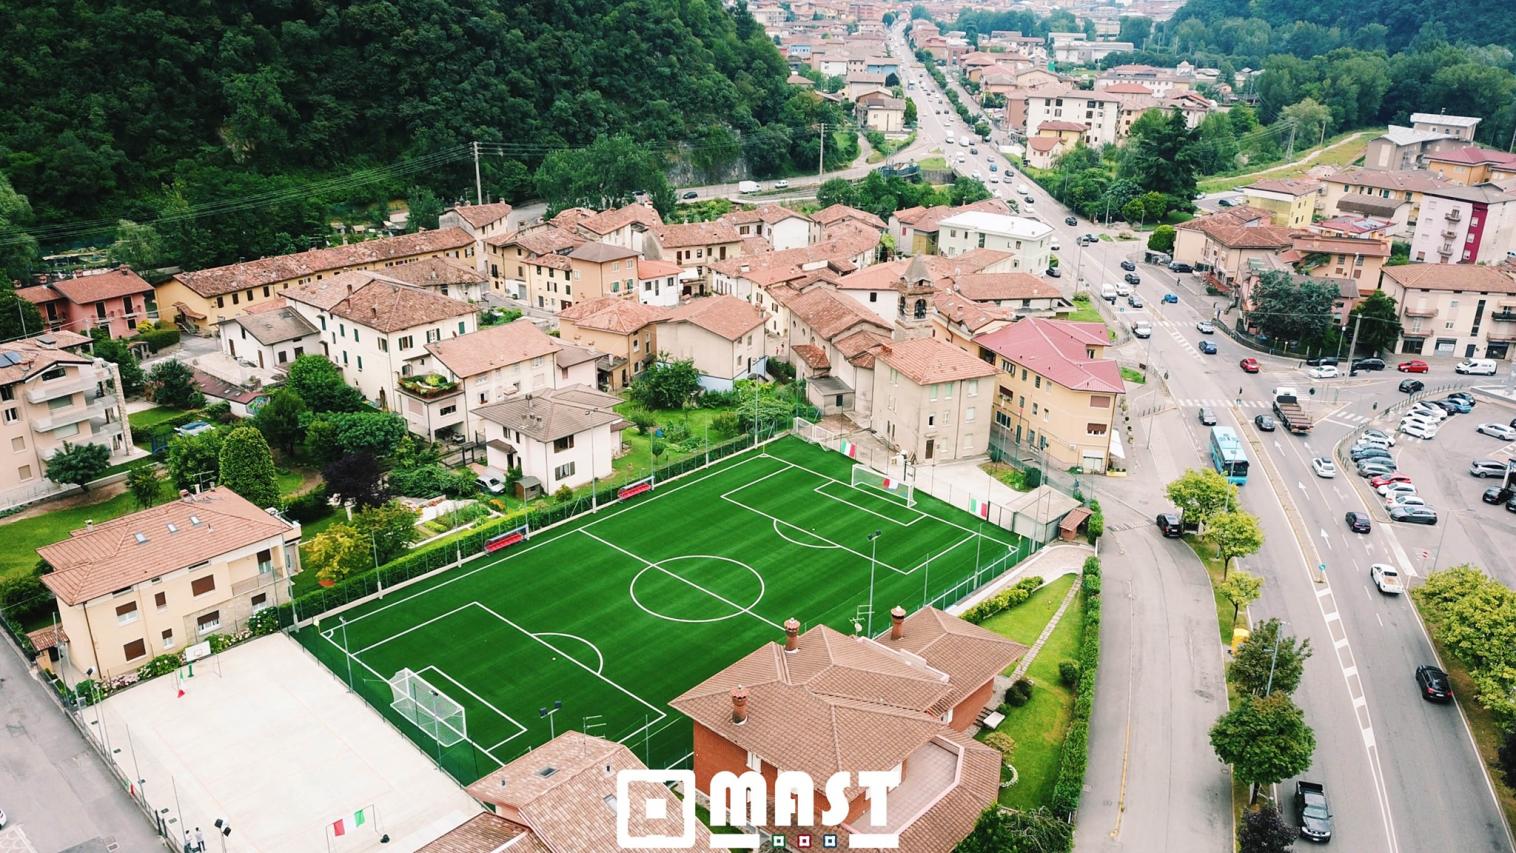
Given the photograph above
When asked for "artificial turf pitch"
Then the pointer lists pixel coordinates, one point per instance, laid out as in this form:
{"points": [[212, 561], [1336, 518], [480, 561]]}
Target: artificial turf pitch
{"points": [[615, 613]]}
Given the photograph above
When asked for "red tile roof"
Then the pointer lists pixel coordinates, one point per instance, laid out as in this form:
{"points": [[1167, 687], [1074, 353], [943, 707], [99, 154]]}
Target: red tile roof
{"points": [[997, 286], [727, 316], [614, 220], [813, 356], [1473, 155], [928, 361], [613, 314], [1057, 349], [1286, 186], [85, 289], [651, 268], [480, 215], [377, 301], [1474, 278], [695, 234], [838, 212], [493, 348], [1062, 125], [830, 314], [217, 281]]}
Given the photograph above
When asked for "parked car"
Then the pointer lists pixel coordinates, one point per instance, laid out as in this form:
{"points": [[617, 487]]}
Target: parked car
{"points": [[491, 482], [1428, 412], [1326, 371], [1498, 494], [1128, 266], [1207, 347], [1386, 578], [1358, 454], [1414, 514], [1419, 430], [689, 194], [1500, 431], [1487, 468], [1315, 813], [1169, 526], [1463, 395], [1411, 386], [1476, 367], [1069, 220], [1389, 490], [1456, 404], [1368, 364], [1510, 505], [1434, 684], [1414, 365], [1224, 202], [1358, 522], [1264, 423], [1447, 407], [1322, 361], [1403, 500], [1205, 327], [1388, 479], [1207, 417], [1169, 298], [1324, 467], [1370, 441], [1249, 365], [1376, 467], [1176, 266], [1380, 434]]}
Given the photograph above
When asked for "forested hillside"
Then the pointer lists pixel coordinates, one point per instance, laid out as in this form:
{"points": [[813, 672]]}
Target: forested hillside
{"points": [[116, 108], [1391, 24]]}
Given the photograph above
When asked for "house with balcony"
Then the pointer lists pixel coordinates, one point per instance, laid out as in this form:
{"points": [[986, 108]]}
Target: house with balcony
{"points": [[563, 437], [1470, 165], [167, 577], [1224, 246], [823, 701], [1456, 310], [917, 229], [1027, 240], [1465, 225], [54, 392], [1291, 202], [1345, 191], [443, 277], [116, 300], [376, 328], [532, 265], [1401, 148], [269, 335], [931, 400], [694, 246], [621, 329]]}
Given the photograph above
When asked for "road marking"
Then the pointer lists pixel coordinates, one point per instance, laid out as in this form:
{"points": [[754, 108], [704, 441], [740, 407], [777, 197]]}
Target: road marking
{"points": [[1325, 539], [1323, 592], [1340, 643], [1302, 489], [1381, 621]]}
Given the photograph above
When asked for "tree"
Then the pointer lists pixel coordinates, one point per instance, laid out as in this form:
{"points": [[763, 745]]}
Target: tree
{"points": [[1202, 494], [78, 464], [1311, 117], [1012, 831], [1162, 239], [606, 174], [18, 317], [1265, 739], [137, 246], [320, 385], [391, 526], [356, 478], [338, 552], [1263, 830], [666, 385], [195, 460], [423, 209], [1161, 155], [1241, 590], [172, 383], [18, 254], [910, 113], [378, 433], [1474, 617], [1257, 669], [967, 191], [279, 419], [133, 381], [1378, 323], [1235, 534], [1292, 310], [247, 466], [144, 484], [1135, 29]]}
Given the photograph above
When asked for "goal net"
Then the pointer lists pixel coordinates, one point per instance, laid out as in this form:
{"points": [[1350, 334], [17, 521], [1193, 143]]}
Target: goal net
{"points": [[431, 710], [816, 433], [866, 477]]}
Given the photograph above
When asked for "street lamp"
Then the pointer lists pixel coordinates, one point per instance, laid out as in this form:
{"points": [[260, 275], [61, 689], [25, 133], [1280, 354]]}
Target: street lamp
{"points": [[873, 562], [548, 714], [1278, 636]]}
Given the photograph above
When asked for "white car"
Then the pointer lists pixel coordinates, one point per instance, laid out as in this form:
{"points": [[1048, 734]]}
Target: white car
{"points": [[1386, 578], [1419, 430], [1418, 418], [1023, 189], [1404, 500], [1373, 441], [1325, 371], [1123, 289], [1054, 246], [1500, 431], [1380, 435], [1392, 489], [1431, 413], [1324, 467], [781, 185]]}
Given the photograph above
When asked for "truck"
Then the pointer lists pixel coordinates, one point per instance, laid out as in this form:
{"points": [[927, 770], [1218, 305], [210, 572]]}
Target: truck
{"points": [[747, 186], [1289, 411], [1315, 814]]}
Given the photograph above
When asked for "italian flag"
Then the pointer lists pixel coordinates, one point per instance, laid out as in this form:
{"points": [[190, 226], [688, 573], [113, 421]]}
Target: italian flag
{"points": [[891, 483], [344, 825], [979, 507], [848, 449]]}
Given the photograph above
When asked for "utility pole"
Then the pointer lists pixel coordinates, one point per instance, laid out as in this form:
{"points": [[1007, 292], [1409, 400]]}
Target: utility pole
{"points": [[1290, 151], [478, 185], [1353, 347], [821, 158]]}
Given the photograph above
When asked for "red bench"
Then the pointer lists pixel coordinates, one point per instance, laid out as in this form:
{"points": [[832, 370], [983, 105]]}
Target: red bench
{"points": [[634, 490], [504, 540]]}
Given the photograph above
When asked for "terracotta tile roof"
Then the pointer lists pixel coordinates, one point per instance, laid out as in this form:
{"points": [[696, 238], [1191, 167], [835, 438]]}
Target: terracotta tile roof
{"points": [[214, 386], [973, 316], [648, 268], [813, 356], [926, 221], [1473, 155], [1242, 214], [377, 301], [1342, 245], [979, 260], [221, 280], [274, 326], [570, 217], [434, 272], [950, 819], [1369, 204], [768, 214], [485, 832], [27, 357], [599, 253], [564, 790], [39, 294], [1353, 224], [859, 347], [540, 240], [480, 215], [85, 289], [1127, 89], [1057, 349], [928, 361], [1062, 125], [727, 316], [1044, 143], [830, 314], [838, 212], [43, 639], [494, 347], [1242, 227], [610, 221], [612, 314], [969, 654], [997, 286], [96, 561], [544, 418], [1286, 186], [1474, 278], [1407, 180], [695, 234]]}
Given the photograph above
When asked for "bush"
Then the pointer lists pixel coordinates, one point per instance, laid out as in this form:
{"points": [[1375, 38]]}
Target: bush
{"points": [[564, 494], [781, 370], [717, 399], [1003, 600], [160, 665], [725, 425], [265, 621], [1019, 693], [1068, 672], [25, 596], [222, 642], [1002, 742], [1095, 526], [88, 691], [1075, 754], [1032, 478], [308, 507], [642, 420], [430, 480], [158, 339]]}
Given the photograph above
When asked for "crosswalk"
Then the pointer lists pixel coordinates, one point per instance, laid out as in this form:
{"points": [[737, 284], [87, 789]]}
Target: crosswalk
{"points": [[1246, 404], [1347, 419], [1185, 345]]}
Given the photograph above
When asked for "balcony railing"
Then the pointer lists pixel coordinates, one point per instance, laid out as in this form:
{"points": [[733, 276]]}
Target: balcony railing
{"points": [[1504, 315], [53, 420], [1421, 311], [1449, 234], [428, 386], [1445, 249], [1453, 215], [85, 379]]}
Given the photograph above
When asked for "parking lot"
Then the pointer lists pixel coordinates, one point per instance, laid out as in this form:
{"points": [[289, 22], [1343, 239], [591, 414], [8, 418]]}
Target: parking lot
{"points": [[1468, 530]]}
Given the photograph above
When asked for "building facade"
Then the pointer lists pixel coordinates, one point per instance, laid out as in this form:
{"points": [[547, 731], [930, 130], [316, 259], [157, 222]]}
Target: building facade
{"points": [[1455, 310]]}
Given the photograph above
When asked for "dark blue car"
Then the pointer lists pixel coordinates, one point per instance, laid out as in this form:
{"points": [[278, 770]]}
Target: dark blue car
{"points": [[1207, 347], [1169, 297]]}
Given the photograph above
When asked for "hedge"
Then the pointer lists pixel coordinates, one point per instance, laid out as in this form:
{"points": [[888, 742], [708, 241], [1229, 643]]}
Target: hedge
{"points": [[1003, 600], [1075, 754], [159, 339]]}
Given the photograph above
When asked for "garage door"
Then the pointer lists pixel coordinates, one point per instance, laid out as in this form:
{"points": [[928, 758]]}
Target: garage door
{"points": [[1446, 346]]}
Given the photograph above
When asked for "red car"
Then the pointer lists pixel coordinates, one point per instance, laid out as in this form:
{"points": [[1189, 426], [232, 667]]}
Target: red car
{"points": [[1387, 479], [1249, 365], [1415, 365]]}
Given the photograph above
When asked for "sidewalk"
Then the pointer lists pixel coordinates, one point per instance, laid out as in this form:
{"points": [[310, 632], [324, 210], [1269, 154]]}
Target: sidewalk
{"points": [[1050, 563]]}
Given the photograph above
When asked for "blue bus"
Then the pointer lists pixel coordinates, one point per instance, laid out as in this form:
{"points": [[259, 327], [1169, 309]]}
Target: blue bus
{"points": [[1227, 455]]}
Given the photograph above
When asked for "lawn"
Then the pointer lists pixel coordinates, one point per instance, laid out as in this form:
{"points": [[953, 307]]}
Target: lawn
{"points": [[1133, 375], [1224, 618], [1345, 154], [636, 462], [605, 613], [1039, 726], [146, 422], [1007, 474], [25, 535]]}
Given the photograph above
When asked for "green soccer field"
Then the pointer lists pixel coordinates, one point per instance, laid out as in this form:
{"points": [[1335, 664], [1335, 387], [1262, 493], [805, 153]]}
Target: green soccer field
{"points": [[616, 613]]}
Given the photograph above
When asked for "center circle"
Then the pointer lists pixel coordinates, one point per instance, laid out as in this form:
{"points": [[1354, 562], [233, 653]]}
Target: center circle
{"points": [[697, 588]]}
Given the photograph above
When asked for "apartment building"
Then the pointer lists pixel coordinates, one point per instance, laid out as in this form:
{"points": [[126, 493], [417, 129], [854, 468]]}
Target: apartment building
{"points": [[1028, 240], [621, 329], [693, 245], [1056, 391], [165, 578], [1291, 202], [917, 229], [659, 282], [1463, 310], [1471, 165], [532, 265], [1222, 244], [198, 301], [781, 227], [1461, 128], [626, 226], [1402, 148], [116, 300], [1098, 111], [1465, 225], [601, 269], [723, 335], [444, 278], [52, 392], [932, 400], [480, 221], [1162, 82], [1406, 185]]}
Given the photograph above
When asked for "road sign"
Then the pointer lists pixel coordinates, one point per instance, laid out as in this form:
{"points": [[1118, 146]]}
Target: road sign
{"points": [[1322, 568], [198, 651]]}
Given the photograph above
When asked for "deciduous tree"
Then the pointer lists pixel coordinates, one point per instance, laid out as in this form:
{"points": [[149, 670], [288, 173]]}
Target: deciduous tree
{"points": [[133, 381], [320, 385], [1378, 322], [1290, 309], [137, 246], [1256, 668], [171, 383], [279, 419], [392, 527], [247, 466], [1265, 739], [356, 478], [1241, 590], [144, 484], [1162, 239], [1012, 831], [78, 464], [339, 551], [666, 385], [1202, 494], [1235, 534], [606, 174], [195, 460]]}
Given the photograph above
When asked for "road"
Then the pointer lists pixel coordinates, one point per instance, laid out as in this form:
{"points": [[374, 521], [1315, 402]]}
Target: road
{"points": [[53, 788]]}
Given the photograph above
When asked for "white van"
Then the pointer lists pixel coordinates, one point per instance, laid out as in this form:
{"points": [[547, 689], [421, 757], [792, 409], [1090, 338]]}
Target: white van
{"points": [[1108, 293], [1476, 367], [747, 187]]}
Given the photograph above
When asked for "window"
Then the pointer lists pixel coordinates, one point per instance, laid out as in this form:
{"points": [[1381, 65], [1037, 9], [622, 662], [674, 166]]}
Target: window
{"points": [[126, 614], [160, 600], [1094, 429], [221, 302], [355, 334], [24, 473], [12, 414], [754, 762], [234, 299], [8, 392], [972, 387], [406, 342], [562, 444], [433, 335], [135, 649], [168, 638], [265, 291], [449, 409], [57, 403], [323, 323], [18, 443], [265, 561], [931, 420], [462, 327], [209, 622], [344, 357], [563, 471], [58, 372], [1037, 382], [932, 393], [1100, 401], [200, 586], [260, 601], [360, 362]]}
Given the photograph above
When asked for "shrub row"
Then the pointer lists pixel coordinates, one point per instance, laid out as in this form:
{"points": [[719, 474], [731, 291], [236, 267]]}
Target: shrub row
{"points": [[158, 339], [1003, 600], [1071, 764]]}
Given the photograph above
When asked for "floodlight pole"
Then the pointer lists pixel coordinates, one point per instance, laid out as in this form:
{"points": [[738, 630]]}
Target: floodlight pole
{"points": [[548, 713], [873, 563], [347, 654]]}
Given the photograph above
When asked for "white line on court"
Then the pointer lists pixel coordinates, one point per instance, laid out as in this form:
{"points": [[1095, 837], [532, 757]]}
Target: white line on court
{"points": [[652, 565]]}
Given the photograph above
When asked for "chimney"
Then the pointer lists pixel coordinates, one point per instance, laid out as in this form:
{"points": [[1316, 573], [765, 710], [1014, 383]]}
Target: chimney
{"points": [[897, 622], [89, 524], [349, 288], [791, 635], [739, 705], [184, 494]]}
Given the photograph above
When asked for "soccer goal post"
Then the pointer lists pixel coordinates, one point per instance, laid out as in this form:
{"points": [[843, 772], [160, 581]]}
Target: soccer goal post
{"points": [[816, 433], [431, 710], [864, 476]]}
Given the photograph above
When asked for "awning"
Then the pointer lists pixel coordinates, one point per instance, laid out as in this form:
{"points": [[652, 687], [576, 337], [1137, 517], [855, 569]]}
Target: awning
{"points": [[1117, 451], [188, 311], [1075, 518], [500, 445]]}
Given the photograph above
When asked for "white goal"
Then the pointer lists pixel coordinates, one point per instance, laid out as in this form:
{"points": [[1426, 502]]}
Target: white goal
{"points": [[431, 710], [864, 476], [816, 434]]}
